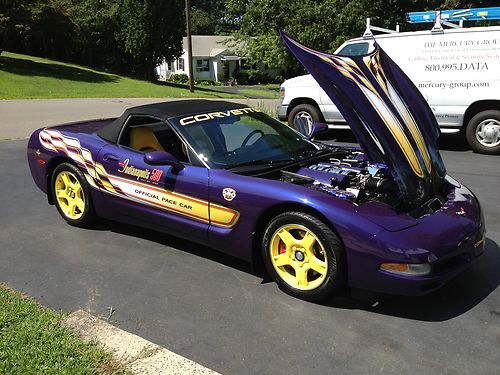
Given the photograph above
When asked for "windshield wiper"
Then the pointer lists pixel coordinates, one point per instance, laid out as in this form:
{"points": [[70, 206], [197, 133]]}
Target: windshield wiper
{"points": [[260, 163], [310, 153], [280, 162]]}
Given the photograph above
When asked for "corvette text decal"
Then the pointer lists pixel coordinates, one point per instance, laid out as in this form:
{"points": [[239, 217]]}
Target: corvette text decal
{"points": [[137, 191], [221, 114]]}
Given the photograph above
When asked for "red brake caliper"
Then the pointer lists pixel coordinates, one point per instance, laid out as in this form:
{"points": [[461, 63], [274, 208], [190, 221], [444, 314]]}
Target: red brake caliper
{"points": [[282, 247]]}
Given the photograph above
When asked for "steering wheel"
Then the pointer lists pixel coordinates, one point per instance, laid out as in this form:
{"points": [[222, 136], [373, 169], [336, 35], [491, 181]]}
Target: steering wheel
{"points": [[247, 138]]}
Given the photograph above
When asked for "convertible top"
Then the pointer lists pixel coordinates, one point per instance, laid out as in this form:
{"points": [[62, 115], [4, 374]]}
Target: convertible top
{"points": [[164, 111]]}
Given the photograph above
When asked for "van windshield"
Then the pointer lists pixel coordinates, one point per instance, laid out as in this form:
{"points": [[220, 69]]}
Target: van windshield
{"points": [[355, 49]]}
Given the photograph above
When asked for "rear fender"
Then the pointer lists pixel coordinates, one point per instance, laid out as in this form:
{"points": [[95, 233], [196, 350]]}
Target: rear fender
{"points": [[52, 147]]}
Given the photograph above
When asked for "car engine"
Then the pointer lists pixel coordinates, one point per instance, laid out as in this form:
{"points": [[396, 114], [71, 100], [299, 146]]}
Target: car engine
{"points": [[350, 176]]}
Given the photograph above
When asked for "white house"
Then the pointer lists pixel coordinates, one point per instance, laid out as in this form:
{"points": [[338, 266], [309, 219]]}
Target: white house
{"points": [[213, 59]]}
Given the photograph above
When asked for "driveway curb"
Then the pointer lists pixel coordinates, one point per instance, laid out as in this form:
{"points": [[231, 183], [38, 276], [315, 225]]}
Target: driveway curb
{"points": [[137, 354]]}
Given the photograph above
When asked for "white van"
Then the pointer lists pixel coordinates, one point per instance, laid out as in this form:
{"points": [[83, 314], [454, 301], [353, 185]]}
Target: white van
{"points": [[457, 70]]}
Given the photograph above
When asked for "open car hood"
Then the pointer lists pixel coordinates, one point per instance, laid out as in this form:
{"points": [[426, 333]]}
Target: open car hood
{"points": [[387, 114]]}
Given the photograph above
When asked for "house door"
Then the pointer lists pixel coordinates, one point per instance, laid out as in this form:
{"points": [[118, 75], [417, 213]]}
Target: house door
{"points": [[226, 70]]}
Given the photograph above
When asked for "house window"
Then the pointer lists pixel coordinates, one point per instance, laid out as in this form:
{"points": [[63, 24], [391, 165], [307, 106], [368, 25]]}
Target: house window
{"points": [[169, 65], [202, 65], [180, 64]]}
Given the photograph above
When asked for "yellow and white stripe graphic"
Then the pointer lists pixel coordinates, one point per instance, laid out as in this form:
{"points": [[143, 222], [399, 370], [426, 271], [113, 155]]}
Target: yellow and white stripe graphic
{"points": [[373, 63], [175, 202], [136, 191], [53, 140]]}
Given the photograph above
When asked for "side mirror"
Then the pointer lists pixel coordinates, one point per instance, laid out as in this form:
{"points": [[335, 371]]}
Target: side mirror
{"points": [[163, 158], [317, 128]]}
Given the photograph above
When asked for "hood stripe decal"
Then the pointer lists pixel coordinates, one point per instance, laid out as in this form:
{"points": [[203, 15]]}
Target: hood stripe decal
{"points": [[387, 114], [352, 72], [372, 62]]}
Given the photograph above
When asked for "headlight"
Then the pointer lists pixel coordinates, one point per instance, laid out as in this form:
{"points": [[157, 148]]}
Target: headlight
{"points": [[408, 269]]}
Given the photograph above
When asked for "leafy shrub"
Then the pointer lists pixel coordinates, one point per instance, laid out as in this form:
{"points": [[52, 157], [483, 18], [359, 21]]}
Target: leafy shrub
{"points": [[210, 82], [179, 78], [241, 77], [257, 76], [207, 82], [254, 77]]}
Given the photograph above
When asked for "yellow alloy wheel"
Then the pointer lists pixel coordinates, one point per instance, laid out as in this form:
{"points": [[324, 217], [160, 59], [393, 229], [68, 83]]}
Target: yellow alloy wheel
{"points": [[69, 195], [298, 257]]}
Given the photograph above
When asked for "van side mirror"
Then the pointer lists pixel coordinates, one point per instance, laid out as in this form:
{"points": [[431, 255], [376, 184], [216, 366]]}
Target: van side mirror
{"points": [[317, 128], [163, 158]]}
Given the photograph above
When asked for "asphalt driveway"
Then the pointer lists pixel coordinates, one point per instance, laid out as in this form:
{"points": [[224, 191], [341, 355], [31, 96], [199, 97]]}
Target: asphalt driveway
{"points": [[212, 309]]}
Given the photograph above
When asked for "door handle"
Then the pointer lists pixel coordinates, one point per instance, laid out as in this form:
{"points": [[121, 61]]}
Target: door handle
{"points": [[110, 157]]}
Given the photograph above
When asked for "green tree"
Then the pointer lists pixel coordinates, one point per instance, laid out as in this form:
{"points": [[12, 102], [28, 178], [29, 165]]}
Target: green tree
{"points": [[217, 17], [205, 15], [16, 23], [321, 24], [150, 31], [95, 22], [128, 36], [234, 11]]}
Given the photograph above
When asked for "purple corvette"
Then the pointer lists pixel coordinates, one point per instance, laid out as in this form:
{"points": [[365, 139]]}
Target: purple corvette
{"points": [[384, 217]]}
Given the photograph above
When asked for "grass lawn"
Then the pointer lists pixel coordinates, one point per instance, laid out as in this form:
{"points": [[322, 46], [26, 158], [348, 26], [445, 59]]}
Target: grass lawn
{"points": [[33, 342], [270, 91], [29, 77]]}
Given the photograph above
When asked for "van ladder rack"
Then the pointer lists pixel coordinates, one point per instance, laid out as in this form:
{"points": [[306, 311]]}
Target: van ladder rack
{"points": [[439, 18], [369, 27], [447, 17]]}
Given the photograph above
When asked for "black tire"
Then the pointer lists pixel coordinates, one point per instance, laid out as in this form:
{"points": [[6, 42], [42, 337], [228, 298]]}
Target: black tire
{"points": [[88, 216], [335, 279], [303, 109], [472, 127]]}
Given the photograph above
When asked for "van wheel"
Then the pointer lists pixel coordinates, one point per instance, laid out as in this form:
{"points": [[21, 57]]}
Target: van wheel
{"points": [[483, 132], [306, 114]]}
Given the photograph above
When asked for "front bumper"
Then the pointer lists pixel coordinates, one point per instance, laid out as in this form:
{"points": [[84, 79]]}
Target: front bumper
{"points": [[442, 270], [282, 112], [451, 240]]}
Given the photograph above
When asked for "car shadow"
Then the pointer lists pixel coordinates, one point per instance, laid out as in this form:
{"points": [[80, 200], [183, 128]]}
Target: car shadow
{"points": [[454, 299], [453, 142], [177, 243]]}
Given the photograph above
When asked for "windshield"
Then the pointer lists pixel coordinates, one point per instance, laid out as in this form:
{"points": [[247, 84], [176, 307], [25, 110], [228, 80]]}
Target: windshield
{"points": [[230, 138], [355, 49]]}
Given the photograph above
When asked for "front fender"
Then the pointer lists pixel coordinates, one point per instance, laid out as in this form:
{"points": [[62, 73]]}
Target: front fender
{"points": [[257, 197]]}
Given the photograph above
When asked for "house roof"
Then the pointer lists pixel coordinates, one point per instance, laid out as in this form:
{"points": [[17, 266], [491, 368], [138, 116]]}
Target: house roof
{"points": [[208, 45]]}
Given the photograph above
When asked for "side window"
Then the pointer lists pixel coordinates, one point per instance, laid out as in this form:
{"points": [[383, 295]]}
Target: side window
{"points": [[147, 134], [354, 49], [180, 64], [202, 65]]}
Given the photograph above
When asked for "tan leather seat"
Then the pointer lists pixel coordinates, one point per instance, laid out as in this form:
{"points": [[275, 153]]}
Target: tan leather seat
{"points": [[143, 139]]}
